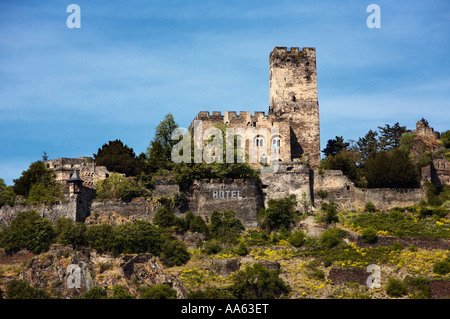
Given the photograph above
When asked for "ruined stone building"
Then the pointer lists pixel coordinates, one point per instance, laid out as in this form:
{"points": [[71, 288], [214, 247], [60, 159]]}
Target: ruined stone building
{"points": [[289, 133], [293, 111]]}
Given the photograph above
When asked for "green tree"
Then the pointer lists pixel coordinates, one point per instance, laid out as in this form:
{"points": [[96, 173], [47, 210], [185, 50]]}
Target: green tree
{"points": [[69, 232], [117, 186], [95, 293], [368, 144], [198, 225], [159, 151], [20, 289], [45, 194], [279, 213], [119, 292], [334, 146], [390, 136], [7, 195], [174, 253], [164, 217], [345, 161], [332, 237], [36, 174], [118, 157], [258, 282], [28, 230], [161, 291], [395, 287], [138, 237], [297, 238], [445, 138], [100, 237], [224, 226], [391, 169], [211, 293]]}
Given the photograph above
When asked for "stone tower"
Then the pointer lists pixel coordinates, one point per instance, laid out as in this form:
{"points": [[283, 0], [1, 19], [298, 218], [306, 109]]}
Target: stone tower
{"points": [[293, 97]]}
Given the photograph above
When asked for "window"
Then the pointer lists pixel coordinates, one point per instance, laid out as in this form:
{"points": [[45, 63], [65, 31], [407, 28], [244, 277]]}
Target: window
{"points": [[259, 141], [276, 144]]}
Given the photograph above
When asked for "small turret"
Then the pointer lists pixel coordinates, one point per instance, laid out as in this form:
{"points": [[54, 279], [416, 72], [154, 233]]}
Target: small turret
{"points": [[75, 183]]}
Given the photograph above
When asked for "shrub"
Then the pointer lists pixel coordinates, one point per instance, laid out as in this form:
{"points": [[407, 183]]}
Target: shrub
{"points": [[211, 293], [138, 237], [212, 247], [241, 249], [418, 287], [174, 253], [100, 237], [20, 289], [369, 235], [280, 213], [395, 287], [69, 232], [120, 293], [164, 217], [95, 293], [297, 238], [442, 267], [369, 207], [225, 226], [28, 230], [161, 291], [330, 211], [258, 282], [49, 193], [198, 225], [332, 237]]}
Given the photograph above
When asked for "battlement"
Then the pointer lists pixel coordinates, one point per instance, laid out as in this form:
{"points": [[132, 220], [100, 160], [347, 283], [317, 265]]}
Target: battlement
{"points": [[232, 116], [281, 55]]}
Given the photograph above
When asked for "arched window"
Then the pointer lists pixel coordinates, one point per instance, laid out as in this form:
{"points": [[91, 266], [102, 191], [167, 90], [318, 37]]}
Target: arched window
{"points": [[276, 144], [259, 141]]}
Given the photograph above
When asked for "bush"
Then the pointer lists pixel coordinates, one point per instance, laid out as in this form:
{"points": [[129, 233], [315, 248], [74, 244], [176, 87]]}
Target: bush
{"points": [[442, 267], [212, 247], [280, 213], [100, 237], [49, 193], [211, 293], [418, 287], [225, 226], [369, 235], [395, 287], [332, 237], [95, 293], [164, 217], [160, 291], [198, 225], [69, 232], [258, 282], [120, 293], [138, 237], [20, 289], [174, 253], [297, 238], [369, 207], [28, 230], [241, 249], [330, 211]]}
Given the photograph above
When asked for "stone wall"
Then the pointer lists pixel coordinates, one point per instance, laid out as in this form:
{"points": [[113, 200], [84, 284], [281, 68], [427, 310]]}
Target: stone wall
{"points": [[242, 196], [204, 197], [342, 191], [291, 178]]}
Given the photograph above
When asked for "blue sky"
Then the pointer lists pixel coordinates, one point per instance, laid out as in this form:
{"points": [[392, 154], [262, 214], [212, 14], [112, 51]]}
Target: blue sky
{"points": [[69, 91]]}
